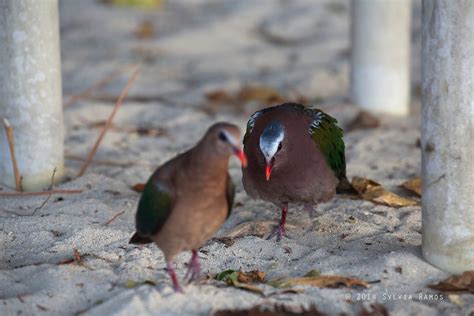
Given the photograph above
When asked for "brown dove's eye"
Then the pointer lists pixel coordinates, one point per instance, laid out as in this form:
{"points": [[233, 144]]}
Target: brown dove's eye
{"points": [[279, 146], [222, 137]]}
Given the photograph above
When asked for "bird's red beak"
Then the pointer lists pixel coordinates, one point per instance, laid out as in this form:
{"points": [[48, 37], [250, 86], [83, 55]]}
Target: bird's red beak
{"points": [[268, 172], [241, 155]]}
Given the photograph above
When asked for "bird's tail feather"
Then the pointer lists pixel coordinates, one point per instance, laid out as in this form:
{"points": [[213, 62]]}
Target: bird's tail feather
{"points": [[139, 240], [345, 187]]}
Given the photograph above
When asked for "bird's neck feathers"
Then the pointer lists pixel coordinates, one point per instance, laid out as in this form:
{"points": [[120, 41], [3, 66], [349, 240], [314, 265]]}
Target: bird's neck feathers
{"points": [[208, 164]]}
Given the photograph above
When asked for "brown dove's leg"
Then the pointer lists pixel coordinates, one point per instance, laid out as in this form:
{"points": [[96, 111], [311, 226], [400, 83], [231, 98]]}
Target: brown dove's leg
{"points": [[280, 231], [174, 279], [194, 269], [311, 210]]}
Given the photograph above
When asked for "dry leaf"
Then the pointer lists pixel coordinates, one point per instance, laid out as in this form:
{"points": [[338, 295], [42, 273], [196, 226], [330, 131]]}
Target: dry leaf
{"points": [[364, 120], [370, 190], [130, 284], [242, 280], [456, 299], [313, 273], [456, 283], [323, 281], [145, 30], [254, 228], [276, 310], [227, 241], [376, 309], [251, 276], [261, 94], [219, 96], [139, 187], [141, 4], [413, 185]]}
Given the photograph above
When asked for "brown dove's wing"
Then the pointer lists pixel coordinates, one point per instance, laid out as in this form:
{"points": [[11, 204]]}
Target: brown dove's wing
{"points": [[230, 194], [153, 210]]}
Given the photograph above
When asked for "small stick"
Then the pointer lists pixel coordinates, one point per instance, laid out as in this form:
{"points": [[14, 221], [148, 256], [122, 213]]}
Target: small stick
{"points": [[77, 257], [57, 191], [20, 298], [119, 102], [96, 86], [113, 218], [16, 171], [49, 196]]}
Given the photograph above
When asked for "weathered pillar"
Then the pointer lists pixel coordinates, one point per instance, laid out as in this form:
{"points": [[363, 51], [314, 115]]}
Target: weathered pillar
{"points": [[448, 134], [30, 91], [380, 75]]}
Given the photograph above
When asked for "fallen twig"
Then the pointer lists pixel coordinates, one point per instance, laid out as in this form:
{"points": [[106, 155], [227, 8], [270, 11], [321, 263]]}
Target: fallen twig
{"points": [[20, 298], [47, 199], [77, 257], [11, 144], [119, 102], [113, 218], [96, 86]]}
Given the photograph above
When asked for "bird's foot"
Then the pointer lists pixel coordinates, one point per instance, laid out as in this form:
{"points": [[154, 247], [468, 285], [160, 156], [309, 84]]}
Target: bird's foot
{"points": [[174, 279], [279, 232], [311, 210], [194, 268]]}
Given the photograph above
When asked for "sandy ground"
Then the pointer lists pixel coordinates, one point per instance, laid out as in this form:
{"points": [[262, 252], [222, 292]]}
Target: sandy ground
{"points": [[298, 48]]}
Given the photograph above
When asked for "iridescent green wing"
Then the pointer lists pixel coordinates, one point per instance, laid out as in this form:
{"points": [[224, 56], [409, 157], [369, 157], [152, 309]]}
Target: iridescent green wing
{"points": [[154, 207], [250, 124], [328, 135], [230, 194]]}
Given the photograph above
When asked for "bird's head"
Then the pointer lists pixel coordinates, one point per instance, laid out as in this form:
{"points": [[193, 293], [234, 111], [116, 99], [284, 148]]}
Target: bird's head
{"points": [[271, 145], [225, 140]]}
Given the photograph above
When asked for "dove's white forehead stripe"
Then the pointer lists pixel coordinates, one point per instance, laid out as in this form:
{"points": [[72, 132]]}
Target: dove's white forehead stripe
{"points": [[230, 138], [271, 137]]}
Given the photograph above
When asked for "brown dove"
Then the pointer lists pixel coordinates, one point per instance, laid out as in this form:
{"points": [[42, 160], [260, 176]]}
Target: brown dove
{"points": [[188, 198]]}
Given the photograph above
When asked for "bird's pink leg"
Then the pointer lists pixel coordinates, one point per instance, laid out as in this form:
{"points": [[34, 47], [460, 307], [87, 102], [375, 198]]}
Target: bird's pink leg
{"points": [[280, 231], [174, 279], [311, 210], [194, 269]]}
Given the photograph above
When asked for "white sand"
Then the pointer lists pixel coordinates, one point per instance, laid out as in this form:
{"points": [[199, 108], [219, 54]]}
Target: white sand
{"points": [[203, 45]]}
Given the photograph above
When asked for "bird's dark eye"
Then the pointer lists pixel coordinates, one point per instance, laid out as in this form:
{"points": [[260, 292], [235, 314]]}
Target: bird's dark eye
{"points": [[222, 136], [279, 146]]}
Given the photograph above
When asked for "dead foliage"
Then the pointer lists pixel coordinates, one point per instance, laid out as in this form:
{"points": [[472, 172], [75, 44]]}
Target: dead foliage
{"points": [[227, 241], [413, 185], [139, 187], [370, 190], [321, 281], [275, 310], [364, 120], [374, 310], [463, 283], [263, 95], [242, 280], [145, 30]]}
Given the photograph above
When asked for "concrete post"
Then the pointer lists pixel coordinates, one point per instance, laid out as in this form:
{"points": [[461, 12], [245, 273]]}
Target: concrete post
{"points": [[30, 91], [448, 134], [380, 75]]}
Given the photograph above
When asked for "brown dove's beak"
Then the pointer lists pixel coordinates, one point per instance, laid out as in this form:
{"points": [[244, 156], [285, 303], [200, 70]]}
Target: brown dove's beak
{"points": [[241, 155]]}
